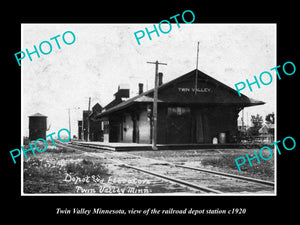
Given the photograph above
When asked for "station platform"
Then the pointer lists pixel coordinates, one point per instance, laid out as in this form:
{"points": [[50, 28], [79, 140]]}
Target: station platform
{"points": [[119, 146]]}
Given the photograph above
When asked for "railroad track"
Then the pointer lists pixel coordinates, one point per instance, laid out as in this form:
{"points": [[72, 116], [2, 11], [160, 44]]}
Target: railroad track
{"points": [[197, 179]]}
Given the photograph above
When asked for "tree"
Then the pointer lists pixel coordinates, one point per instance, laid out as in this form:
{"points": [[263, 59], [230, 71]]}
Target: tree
{"points": [[257, 124], [257, 121], [270, 118]]}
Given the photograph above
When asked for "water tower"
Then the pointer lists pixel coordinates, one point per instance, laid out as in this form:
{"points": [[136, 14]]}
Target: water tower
{"points": [[37, 126]]}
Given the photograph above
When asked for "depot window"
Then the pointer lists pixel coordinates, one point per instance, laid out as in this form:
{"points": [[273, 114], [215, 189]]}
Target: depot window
{"points": [[106, 126], [178, 111]]}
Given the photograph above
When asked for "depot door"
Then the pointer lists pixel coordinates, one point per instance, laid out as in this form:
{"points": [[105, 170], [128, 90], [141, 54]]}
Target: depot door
{"points": [[178, 125], [199, 127]]}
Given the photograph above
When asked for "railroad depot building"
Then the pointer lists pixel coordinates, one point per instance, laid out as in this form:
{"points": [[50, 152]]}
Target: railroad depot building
{"points": [[185, 114], [89, 128]]}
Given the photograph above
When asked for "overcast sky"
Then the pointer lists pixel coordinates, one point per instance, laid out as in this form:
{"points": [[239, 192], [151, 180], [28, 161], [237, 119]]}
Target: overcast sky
{"points": [[106, 55]]}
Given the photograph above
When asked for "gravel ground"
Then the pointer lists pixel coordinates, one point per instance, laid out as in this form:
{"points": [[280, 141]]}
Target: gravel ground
{"points": [[217, 159]]}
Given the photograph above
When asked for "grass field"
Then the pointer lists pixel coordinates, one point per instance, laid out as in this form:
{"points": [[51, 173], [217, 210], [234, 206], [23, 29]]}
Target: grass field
{"points": [[46, 172]]}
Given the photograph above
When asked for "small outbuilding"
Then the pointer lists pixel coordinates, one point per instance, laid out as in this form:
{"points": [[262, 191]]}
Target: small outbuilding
{"points": [[89, 129]]}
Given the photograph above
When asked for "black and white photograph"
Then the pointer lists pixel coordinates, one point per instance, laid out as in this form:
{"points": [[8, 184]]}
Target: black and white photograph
{"points": [[149, 111], [109, 113]]}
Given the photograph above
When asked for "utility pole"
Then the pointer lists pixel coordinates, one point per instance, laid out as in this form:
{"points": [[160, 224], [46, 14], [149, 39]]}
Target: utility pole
{"points": [[88, 121], [196, 79], [243, 128], [154, 111], [247, 120], [69, 113], [69, 121]]}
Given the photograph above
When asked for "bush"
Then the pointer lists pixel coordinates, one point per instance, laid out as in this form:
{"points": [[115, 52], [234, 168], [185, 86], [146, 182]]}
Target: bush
{"points": [[38, 169], [60, 149], [86, 168], [264, 169]]}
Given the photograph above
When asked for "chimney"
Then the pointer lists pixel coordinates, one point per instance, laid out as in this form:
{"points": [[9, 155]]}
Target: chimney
{"points": [[141, 85], [123, 91], [160, 79]]}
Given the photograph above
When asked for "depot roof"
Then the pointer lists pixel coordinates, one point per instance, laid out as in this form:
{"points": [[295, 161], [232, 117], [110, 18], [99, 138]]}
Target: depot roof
{"points": [[211, 91]]}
